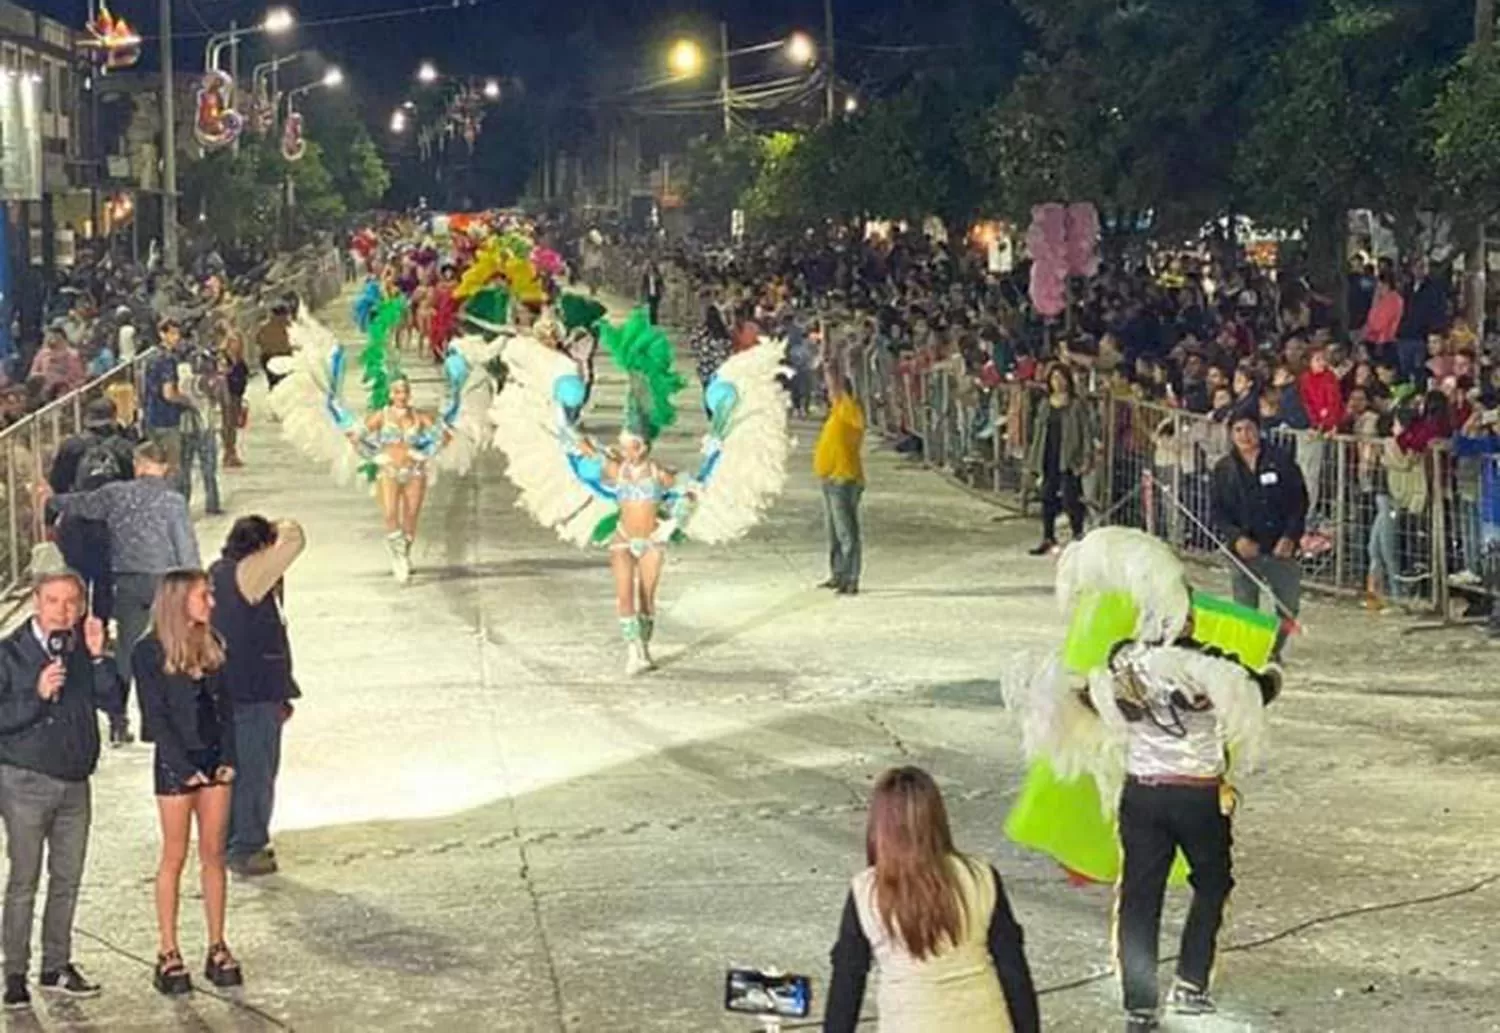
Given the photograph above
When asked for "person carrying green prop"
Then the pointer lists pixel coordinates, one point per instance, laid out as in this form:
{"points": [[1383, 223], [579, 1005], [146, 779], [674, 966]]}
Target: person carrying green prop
{"points": [[1133, 729]]}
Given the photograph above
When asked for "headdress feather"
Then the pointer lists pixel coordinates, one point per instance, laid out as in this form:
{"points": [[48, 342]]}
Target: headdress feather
{"points": [[644, 353]]}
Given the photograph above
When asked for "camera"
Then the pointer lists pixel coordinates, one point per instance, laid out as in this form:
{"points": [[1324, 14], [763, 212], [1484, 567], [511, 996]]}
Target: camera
{"points": [[768, 994]]}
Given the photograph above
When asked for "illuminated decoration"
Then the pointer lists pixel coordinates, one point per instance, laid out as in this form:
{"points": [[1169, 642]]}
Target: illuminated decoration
{"points": [[217, 123], [262, 111], [293, 146], [118, 45]]}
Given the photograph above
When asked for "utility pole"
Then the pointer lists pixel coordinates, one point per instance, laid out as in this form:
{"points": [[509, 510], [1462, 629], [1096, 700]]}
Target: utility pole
{"points": [[724, 72], [169, 145], [830, 68], [234, 69], [1477, 261]]}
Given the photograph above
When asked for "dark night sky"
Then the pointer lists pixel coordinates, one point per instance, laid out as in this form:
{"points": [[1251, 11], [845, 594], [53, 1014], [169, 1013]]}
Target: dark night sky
{"points": [[548, 43]]}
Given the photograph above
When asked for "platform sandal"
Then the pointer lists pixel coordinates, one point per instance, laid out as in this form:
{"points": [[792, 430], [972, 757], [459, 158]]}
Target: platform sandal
{"points": [[172, 976], [221, 969]]}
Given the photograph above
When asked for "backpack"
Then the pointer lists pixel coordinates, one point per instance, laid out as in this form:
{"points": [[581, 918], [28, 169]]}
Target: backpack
{"points": [[102, 462]]}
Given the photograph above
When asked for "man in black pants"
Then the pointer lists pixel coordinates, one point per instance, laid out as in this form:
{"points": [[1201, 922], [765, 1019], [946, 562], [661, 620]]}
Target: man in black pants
{"points": [[1176, 798]]}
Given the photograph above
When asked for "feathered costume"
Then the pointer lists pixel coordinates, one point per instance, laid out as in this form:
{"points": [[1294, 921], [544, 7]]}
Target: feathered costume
{"points": [[742, 470], [562, 476], [315, 417], [1116, 587]]}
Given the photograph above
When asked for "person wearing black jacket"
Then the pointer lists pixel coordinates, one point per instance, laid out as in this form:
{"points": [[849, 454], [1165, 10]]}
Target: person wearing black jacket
{"points": [[1260, 504], [54, 675], [86, 461], [936, 923], [179, 670], [247, 583]]}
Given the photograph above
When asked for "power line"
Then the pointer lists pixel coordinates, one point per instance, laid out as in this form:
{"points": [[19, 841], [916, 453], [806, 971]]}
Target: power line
{"points": [[370, 16]]}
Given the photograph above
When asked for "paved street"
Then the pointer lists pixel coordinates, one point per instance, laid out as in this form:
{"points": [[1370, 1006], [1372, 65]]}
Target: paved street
{"points": [[483, 826]]}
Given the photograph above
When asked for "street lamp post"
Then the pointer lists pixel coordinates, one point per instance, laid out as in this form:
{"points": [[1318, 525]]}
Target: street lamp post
{"points": [[169, 145], [724, 72], [331, 78]]}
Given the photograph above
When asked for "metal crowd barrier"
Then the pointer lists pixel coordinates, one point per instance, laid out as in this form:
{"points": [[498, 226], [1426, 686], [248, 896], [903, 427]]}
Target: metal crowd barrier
{"points": [[28, 447], [1410, 522]]}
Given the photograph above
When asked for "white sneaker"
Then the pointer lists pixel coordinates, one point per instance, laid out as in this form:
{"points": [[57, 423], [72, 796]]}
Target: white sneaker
{"points": [[636, 660]]}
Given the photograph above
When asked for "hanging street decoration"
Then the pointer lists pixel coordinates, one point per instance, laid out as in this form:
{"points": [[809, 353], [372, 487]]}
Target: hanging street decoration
{"points": [[116, 44], [293, 146], [217, 123]]}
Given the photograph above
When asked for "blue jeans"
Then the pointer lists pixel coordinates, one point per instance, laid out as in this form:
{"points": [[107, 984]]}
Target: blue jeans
{"points": [[257, 741], [1385, 554], [841, 507], [201, 446], [1411, 358]]}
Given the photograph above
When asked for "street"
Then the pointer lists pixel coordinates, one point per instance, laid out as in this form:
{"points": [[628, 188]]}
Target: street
{"points": [[482, 824]]}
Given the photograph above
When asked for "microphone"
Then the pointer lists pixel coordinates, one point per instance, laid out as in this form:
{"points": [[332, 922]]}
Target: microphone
{"points": [[60, 643]]}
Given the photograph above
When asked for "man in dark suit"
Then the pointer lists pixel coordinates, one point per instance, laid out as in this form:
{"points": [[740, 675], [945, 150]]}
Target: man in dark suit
{"points": [[54, 674]]}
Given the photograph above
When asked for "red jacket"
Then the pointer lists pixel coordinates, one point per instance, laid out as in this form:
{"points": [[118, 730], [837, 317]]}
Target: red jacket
{"points": [[1323, 397]]}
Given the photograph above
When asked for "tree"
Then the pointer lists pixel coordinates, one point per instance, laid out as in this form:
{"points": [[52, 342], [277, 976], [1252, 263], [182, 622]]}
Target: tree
{"points": [[720, 172], [1338, 121], [316, 201], [1466, 128]]}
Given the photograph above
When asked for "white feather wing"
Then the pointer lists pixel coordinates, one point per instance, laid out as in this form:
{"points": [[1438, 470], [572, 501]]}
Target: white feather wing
{"points": [[529, 431], [300, 402], [751, 468], [1121, 559], [470, 427], [1057, 725]]}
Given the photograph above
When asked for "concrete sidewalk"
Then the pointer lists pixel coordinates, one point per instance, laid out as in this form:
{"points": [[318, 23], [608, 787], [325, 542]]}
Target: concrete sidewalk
{"points": [[483, 825]]}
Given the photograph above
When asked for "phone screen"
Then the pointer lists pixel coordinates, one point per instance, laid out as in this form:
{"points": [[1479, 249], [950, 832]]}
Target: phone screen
{"points": [[749, 992]]}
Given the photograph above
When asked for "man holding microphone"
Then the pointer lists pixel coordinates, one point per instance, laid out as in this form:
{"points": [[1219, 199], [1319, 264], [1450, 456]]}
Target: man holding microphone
{"points": [[53, 675]]}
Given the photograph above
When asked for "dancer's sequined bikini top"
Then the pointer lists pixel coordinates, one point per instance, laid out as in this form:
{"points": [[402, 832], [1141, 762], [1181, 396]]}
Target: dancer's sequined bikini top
{"points": [[641, 489]]}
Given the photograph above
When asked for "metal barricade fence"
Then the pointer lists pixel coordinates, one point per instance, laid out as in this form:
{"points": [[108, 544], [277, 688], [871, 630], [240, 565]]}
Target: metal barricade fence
{"points": [[1405, 526], [28, 447]]}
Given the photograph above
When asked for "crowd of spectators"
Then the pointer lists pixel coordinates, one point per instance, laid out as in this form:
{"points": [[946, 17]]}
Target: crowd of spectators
{"points": [[1366, 394]]}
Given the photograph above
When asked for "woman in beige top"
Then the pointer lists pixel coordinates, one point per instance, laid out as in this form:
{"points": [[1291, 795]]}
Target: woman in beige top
{"points": [[936, 923]]}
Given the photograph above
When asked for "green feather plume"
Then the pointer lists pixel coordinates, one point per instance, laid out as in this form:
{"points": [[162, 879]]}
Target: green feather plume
{"points": [[490, 307], [644, 352], [579, 312], [375, 360]]}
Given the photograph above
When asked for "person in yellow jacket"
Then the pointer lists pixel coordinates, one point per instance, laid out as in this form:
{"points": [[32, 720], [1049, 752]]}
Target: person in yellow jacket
{"points": [[838, 465]]}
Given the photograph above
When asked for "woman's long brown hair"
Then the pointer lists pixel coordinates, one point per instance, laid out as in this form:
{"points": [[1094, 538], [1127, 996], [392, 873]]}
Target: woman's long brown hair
{"points": [[188, 648], [909, 843]]}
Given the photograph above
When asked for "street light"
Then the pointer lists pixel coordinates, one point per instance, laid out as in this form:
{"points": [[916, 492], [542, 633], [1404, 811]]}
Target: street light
{"points": [[801, 48], [492, 89], [398, 122], [428, 73], [333, 77], [278, 20], [685, 58], [851, 104]]}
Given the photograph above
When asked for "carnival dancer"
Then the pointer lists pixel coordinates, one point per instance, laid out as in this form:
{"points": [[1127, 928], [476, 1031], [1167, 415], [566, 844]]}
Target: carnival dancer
{"points": [[1172, 702], [622, 498], [397, 447]]}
